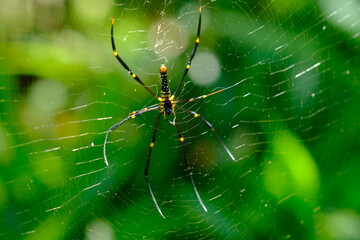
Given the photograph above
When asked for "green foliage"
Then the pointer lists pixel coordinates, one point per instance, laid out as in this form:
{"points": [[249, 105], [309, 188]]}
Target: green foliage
{"points": [[290, 117]]}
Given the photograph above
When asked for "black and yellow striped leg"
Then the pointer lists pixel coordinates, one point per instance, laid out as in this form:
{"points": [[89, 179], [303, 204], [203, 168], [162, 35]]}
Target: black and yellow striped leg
{"points": [[209, 125], [115, 126], [197, 41], [188, 166], [199, 97], [152, 143], [133, 75], [207, 95]]}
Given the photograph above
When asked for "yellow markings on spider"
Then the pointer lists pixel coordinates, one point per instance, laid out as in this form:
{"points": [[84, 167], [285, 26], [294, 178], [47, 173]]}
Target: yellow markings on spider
{"points": [[113, 21], [200, 9], [197, 40], [188, 66], [182, 139], [133, 116], [196, 115], [133, 75], [115, 53], [152, 144], [163, 68]]}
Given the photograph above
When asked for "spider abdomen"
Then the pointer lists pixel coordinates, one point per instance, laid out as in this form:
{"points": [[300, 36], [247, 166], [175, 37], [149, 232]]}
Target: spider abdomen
{"points": [[165, 90]]}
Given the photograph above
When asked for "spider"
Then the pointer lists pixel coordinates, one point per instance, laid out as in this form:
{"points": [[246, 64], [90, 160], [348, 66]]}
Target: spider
{"points": [[166, 106]]}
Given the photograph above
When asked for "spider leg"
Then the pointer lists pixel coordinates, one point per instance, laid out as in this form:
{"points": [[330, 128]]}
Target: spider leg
{"points": [[146, 174], [188, 166], [192, 53], [211, 128], [115, 126], [121, 61], [200, 97], [209, 94]]}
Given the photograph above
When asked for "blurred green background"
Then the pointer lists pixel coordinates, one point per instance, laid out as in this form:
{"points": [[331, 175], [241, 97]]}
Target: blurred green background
{"points": [[290, 117]]}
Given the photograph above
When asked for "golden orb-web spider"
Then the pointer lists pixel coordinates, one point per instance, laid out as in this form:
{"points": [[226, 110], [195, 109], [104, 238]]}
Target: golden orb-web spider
{"points": [[166, 106]]}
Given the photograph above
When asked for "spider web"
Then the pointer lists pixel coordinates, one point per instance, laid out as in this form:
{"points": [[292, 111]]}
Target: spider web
{"points": [[289, 116]]}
